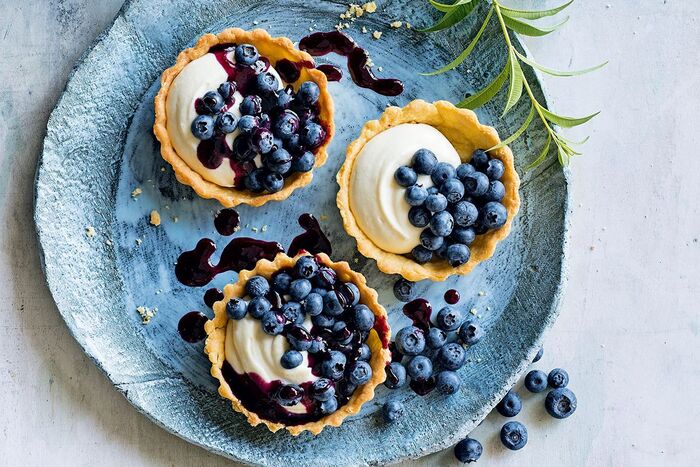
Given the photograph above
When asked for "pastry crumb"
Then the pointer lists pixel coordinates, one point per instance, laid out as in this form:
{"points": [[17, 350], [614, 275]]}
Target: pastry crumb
{"points": [[155, 218], [264, 228], [377, 34], [323, 217], [108, 242], [254, 229], [408, 25], [162, 169], [473, 311], [146, 313], [396, 24], [370, 7], [137, 191], [138, 241], [256, 22], [90, 231], [364, 30], [380, 69], [481, 293], [175, 219]]}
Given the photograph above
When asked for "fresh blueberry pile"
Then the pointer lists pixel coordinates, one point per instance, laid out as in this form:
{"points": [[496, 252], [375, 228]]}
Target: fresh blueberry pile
{"points": [[335, 343], [464, 201], [279, 128]]}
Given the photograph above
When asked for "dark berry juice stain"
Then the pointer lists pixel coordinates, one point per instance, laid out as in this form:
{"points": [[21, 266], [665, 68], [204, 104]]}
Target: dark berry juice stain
{"points": [[390, 375], [212, 296], [227, 221], [313, 240], [395, 354], [423, 387], [332, 72], [323, 43], [419, 311], [191, 327], [382, 327], [451, 297], [290, 71], [194, 267]]}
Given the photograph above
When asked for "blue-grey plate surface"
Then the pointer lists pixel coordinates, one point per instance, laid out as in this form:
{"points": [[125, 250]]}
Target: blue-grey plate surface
{"points": [[99, 147]]}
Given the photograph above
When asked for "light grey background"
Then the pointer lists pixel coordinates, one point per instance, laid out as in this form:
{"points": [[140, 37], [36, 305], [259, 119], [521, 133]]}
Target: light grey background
{"points": [[628, 331]]}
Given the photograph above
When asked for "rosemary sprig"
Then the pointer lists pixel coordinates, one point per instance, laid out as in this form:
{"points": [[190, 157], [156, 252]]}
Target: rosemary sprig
{"points": [[511, 19]]}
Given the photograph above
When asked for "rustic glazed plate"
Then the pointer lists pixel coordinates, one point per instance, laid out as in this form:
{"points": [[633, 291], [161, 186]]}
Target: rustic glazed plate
{"points": [[99, 147]]}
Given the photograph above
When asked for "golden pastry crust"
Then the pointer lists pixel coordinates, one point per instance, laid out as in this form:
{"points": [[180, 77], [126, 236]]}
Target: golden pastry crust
{"points": [[462, 128], [216, 338], [274, 48]]}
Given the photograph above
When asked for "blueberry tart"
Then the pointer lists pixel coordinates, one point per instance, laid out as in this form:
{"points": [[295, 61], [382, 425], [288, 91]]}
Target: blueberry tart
{"points": [[243, 117], [298, 343], [422, 194]]}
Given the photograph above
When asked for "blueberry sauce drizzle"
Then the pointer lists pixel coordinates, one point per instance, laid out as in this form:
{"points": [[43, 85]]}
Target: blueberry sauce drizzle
{"points": [[419, 311], [191, 327], [451, 297], [423, 387], [332, 72], [212, 296], [313, 240], [227, 221], [323, 43]]}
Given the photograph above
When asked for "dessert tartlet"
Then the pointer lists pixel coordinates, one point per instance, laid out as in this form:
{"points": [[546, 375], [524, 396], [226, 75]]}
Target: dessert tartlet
{"points": [[243, 117], [298, 343], [421, 195]]}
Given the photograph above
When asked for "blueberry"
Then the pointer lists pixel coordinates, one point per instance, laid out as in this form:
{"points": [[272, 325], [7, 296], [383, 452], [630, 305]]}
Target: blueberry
{"points": [[365, 353], [257, 286], [441, 224], [278, 161], [292, 312], [329, 406], [539, 355], [291, 359], [272, 323], [405, 176], [289, 394], [410, 341], [267, 83], [281, 282], [404, 290], [308, 93], [419, 368], [331, 304], [323, 320], [246, 54], [494, 215], [468, 450], [418, 216], [470, 333], [304, 163], [242, 152], [436, 338], [213, 102], [273, 182], [253, 181], [341, 333], [333, 366], [286, 125], [345, 387], [247, 123], [514, 435], [306, 267], [536, 381], [431, 241], [362, 317], [325, 278], [496, 191], [424, 161], [442, 172], [306, 114], [226, 89], [318, 345], [442, 251], [449, 318], [393, 410], [318, 290], [415, 195], [433, 190], [351, 293], [203, 127], [251, 105], [313, 305], [435, 202], [510, 405], [396, 375], [558, 378], [312, 135], [299, 338], [479, 160], [226, 122], [463, 235], [283, 99], [453, 190], [464, 169], [560, 403], [476, 184], [258, 306], [448, 382], [452, 356], [457, 254], [495, 169], [360, 373], [421, 254], [465, 213], [299, 289], [262, 140], [322, 389], [236, 308]]}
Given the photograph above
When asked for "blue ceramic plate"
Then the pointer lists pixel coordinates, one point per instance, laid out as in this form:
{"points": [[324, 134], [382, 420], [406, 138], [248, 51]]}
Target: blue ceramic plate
{"points": [[99, 147]]}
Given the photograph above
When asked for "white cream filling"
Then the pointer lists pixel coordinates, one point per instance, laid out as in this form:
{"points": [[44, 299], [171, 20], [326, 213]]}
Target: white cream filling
{"points": [[376, 200], [198, 77], [250, 350]]}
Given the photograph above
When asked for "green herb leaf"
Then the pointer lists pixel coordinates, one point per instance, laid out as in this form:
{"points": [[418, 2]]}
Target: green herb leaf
{"points": [[445, 7], [518, 132], [486, 94], [532, 14], [527, 29], [456, 14], [515, 87], [553, 72], [577, 143], [543, 153], [463, 56], [566, 122], [564, 158]]}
